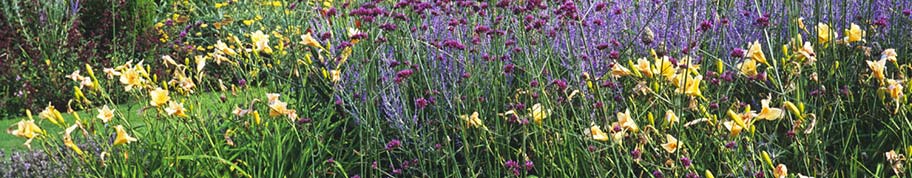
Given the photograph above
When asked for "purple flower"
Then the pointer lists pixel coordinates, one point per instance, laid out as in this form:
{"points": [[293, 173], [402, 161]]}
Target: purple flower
{"points": [[508, 69], [657, 174], [421, 103], [533, 83], [393, 144], [561, 84], [686, 162], [731, 145], [706, 25], [907, 12], [511, 164], [242, 82], [614, 54], [692, 175], [529, 165], [737, 53], [636, 153]]}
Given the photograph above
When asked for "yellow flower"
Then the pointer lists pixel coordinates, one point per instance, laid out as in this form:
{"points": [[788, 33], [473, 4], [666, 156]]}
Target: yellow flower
{"points": [[644, 67], [824, 34], [889, 54], [272, 97], [895, 88], [538, 113], [122, 136], [800, 23], [854, 33], [176, 109], [733, 128], [748, 68], [51, 114], [781, 171], [292, 114], [308, 40], [132, 77], [239, 112], [670, 117], [68, 140], [596, 133], [767, 112], [671, 145], [336, 75], [807, 52], [224, 49], [167, 60], [278, 108], [691, 86], [105, 114], [473, 120], [626, 122], [619, 70], [200, 62], [110, 72], [877, 68], [26, 129], [261, 42], [664, 67], [159, 97], [755, 52]]}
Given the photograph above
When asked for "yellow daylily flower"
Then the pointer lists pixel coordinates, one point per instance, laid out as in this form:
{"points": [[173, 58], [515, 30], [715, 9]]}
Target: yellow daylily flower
{"points": [[278, 108], [596, 133], [224, 49], [895, 88], [200, 62], [625, 121], [167, 60], [105, 114], [272, 97], [691, 86], [824, 34], [538, 113], [671, 145], [767, 112], [68, 140], [733, 128], [807, 52], [309, 40], [619, 70], [159, 97], [670, 117], [889, 54], [854, 33], [26, 129], [781, 171], [132, 77], [261, 42], [122, 136], [472, 120], [755, 52], [644, 67], [335, 75], [877, 69], [51, 114], [664, 67], [748, 68], [176, 109]]}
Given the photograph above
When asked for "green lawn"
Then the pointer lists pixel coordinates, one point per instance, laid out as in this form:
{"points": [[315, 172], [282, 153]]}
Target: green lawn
{"points": [[9, 142]]}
